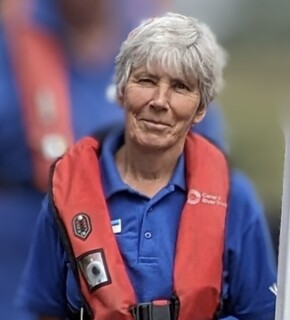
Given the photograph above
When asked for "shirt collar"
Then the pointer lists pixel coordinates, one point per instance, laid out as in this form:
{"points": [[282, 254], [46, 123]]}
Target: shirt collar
{"points": [[111, 179], [178, 178]]}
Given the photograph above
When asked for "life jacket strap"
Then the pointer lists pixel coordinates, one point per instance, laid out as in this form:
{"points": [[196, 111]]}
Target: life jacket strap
{"points": [[81, 314], [156, 310]]}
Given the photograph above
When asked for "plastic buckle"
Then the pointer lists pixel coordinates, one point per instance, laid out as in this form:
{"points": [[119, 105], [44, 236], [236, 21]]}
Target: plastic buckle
{"points": [[156, 310]]}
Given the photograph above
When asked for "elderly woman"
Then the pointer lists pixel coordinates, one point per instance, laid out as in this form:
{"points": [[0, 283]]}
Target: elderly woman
{"points": [[134, 225]]}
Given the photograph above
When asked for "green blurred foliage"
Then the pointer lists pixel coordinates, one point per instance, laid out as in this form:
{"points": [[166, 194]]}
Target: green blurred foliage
{"points": [[257, 87]]}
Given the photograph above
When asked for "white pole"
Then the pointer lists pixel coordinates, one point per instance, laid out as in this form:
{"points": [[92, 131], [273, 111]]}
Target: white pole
{"points": [[283, 290]]}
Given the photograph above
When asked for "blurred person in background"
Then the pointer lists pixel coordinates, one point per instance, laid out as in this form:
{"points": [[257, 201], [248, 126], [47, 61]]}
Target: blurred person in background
{"points": [[56, 282], [56, 64]]}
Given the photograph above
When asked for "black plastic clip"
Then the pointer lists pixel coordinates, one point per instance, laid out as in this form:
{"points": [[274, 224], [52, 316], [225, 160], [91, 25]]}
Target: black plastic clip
{"points": [[156, 310]]}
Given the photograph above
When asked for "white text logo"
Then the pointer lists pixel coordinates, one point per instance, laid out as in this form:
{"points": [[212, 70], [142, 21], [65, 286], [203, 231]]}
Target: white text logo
{"points": [[195, 197]]}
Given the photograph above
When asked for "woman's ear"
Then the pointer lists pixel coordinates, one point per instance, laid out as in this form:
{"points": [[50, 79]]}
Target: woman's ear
{"points": [[120, 100], [199, 115]]}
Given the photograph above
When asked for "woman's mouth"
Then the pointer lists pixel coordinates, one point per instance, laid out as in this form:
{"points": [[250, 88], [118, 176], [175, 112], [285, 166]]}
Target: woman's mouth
{"points": [[155, 124]]}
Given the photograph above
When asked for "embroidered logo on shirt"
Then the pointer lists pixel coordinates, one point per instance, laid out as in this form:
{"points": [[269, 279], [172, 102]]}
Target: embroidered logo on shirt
{"points": [[274, 289], [82, 226], [194, 197]]}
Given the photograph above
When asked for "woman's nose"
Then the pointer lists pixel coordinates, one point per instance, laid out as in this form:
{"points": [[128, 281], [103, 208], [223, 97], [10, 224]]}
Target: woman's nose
{"points": [[161, 96]]}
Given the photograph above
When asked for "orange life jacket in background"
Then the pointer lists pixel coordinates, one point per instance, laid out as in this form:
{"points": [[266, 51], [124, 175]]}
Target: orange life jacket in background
{"points": [[41, 77], [85, 223]]}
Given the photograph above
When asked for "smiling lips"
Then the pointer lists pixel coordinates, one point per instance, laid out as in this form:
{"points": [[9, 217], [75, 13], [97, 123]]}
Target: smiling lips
{"points": [[155, 123]]}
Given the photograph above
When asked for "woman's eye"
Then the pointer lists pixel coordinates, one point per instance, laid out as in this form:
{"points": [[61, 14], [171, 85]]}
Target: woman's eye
{"points": [[181, 86], [146, 81]]}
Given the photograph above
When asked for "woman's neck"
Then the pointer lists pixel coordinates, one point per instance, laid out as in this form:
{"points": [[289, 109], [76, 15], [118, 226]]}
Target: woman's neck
{"points": [[147, 172]]}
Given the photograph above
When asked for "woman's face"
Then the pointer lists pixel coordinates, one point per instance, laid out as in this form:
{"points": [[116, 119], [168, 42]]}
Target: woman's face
{"points": [[159, 109]]}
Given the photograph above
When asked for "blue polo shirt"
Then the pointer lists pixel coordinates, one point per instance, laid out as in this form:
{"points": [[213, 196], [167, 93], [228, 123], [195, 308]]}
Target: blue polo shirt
{"points": [[147, 242]]}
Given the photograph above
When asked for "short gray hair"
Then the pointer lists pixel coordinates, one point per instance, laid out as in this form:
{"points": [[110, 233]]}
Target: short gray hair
{"points": [[182, 46]]}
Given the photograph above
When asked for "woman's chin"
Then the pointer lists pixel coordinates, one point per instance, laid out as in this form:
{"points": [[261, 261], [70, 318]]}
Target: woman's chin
{"points": [[153, 142]]}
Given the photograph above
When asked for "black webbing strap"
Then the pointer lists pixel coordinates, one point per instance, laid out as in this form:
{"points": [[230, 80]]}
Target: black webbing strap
{"points": [[156, 310]]}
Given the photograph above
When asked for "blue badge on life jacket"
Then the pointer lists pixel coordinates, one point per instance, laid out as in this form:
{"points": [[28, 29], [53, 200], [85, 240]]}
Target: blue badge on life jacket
{"points": [[116, 225]]}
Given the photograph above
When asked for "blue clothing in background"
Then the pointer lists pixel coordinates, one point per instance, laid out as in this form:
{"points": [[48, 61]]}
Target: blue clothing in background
{"points": [[147, 241], [92, 108], [214, 128]]}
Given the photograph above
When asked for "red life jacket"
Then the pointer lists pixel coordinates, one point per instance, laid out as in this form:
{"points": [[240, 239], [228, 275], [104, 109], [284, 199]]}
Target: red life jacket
{"points": [[40, 69], [77, 191]]}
